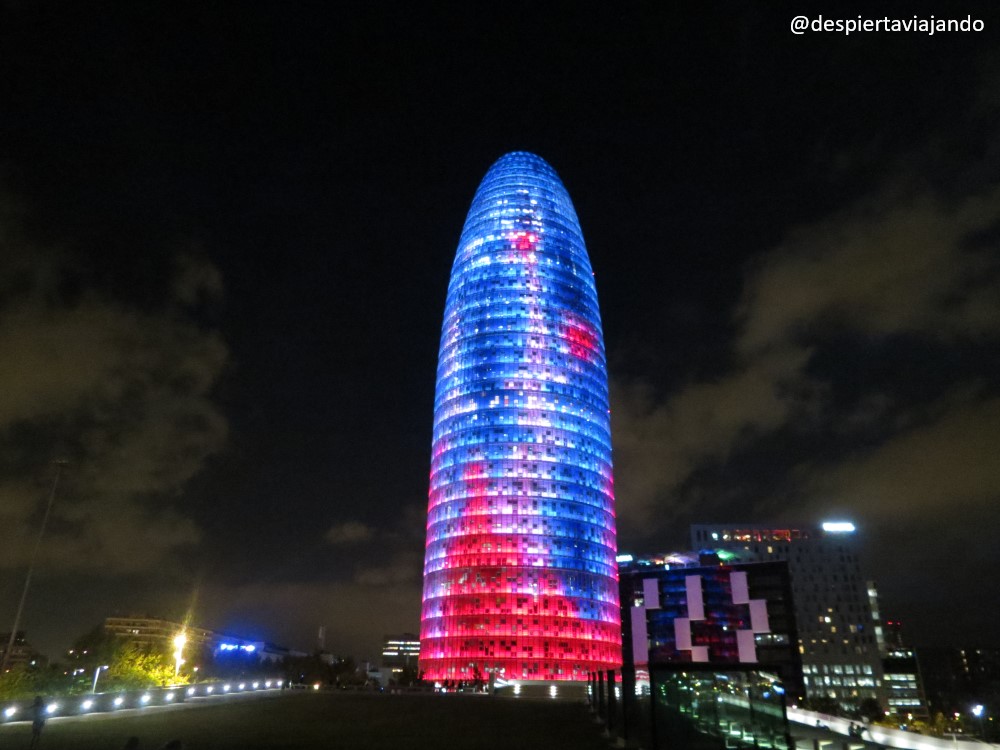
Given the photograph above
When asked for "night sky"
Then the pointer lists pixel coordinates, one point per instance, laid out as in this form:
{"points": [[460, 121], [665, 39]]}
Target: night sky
{"points": [[226, 231]]}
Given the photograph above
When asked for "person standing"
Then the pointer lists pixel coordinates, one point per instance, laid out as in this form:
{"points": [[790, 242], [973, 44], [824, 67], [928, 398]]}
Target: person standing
{"points": [[38, 716]]}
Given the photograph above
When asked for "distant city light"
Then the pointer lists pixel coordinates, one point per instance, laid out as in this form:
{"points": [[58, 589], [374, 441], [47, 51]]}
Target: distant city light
{"points": [[248, 647], [624, 558], [838, 527]]}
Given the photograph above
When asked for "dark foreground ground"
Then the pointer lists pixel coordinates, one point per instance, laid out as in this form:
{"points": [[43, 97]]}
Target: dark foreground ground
{"points": [[332, 720]]}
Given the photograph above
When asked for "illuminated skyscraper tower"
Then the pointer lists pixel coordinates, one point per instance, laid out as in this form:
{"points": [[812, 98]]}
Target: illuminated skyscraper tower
{"points": [[520, 572]]}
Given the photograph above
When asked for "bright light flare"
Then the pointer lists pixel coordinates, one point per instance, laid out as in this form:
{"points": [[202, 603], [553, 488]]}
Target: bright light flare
{"points": [[838, 527]]}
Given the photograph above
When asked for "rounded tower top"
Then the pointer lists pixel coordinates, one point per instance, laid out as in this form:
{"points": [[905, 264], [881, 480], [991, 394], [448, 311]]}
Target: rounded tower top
{"points": [[522, 193]]}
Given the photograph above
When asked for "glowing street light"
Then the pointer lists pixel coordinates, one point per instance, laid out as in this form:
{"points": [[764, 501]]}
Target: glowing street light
{"points": [[977, 711], [97, 673], [179, 640]]}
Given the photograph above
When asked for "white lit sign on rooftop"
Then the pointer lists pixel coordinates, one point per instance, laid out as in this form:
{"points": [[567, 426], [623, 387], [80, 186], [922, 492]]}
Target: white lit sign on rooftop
{"points": [[838, 527], [623, 558]]}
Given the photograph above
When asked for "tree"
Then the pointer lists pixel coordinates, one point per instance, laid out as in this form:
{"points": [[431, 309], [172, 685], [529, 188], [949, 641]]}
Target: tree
{"points": [[17, 682], [134, 666], [131, 665]]}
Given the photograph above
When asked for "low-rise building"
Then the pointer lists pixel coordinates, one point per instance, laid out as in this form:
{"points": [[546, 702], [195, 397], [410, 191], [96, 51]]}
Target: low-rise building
{"points": [[400, 652], [22, 653]]}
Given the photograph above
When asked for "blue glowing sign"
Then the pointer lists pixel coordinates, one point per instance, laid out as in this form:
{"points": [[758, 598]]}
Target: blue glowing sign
{"points": [[248, 647]]}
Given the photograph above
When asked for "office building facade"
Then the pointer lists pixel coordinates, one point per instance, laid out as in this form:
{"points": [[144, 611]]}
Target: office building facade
{"points": [[520, 578], [400, 653], [837, 627], [702, 612]]}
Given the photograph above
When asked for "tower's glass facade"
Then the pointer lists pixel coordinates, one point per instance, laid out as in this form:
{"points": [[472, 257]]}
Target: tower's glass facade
{"points": [[519, 574]]}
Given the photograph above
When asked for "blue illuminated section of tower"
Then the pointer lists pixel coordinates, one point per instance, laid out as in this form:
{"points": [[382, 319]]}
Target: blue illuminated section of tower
{"points": [[520, 575]]}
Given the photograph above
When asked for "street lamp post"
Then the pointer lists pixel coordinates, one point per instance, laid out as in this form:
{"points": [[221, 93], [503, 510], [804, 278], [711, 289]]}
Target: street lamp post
{"points": [[97, 673], [179, 640], [31, 568], [977, 711]]}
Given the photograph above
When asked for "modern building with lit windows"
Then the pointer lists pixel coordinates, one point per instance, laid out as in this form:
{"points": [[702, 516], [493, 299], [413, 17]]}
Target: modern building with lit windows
{"points": [[152, 631], [400, 652], [835, 606], [520, 579], [700, 610], [902, 679]]}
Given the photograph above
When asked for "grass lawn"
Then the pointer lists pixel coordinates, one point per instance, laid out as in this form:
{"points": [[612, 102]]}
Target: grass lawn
{"points": [[332, 720]]}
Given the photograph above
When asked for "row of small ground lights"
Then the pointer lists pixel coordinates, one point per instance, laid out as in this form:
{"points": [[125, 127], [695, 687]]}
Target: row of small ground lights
{"points": [[75, 705]]}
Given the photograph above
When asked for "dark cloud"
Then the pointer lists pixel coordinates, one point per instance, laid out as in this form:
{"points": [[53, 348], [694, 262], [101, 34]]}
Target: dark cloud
{"points": [[349, 532], [904, 261], [356, 614], [123, 394], [945, 466], [402, 567], [659, 444], [901, 263]]}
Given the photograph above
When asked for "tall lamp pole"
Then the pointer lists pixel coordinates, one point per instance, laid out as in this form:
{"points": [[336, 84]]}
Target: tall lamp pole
{"points": [[31, 567], [97, 673], [179, 640], [977, 711]]}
